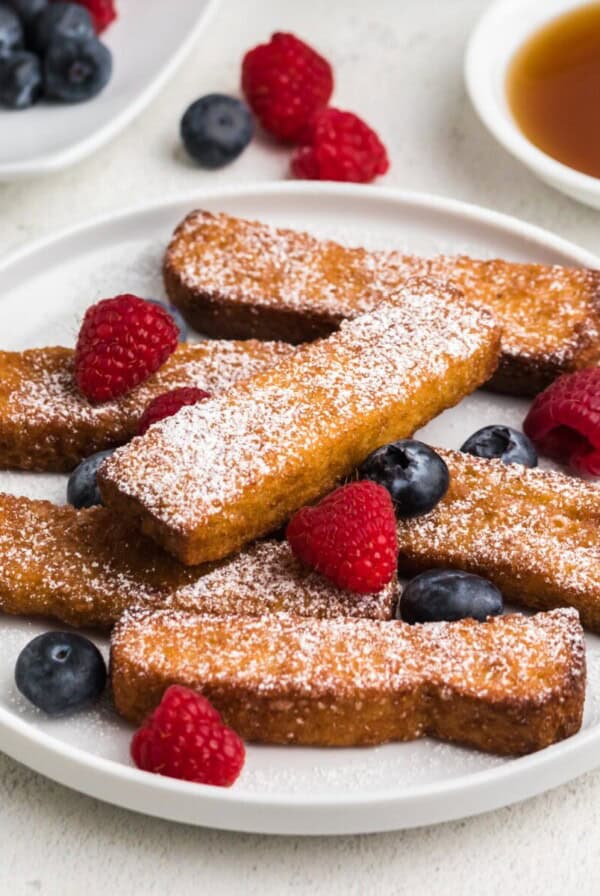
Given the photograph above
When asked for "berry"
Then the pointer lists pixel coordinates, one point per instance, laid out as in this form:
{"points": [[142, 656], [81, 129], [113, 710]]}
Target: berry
{"points": [[122, 342], [11, 31], [169, 403], [103, 12], [285, 83], [415, 476], [504, 443], [448, 595], [76, 70], [176, 315], [185, 738], [20, 80], [61, 21], [340, 146], [27, 10], [564, 421], [216, 129], [60, 672], [350, 537], [82, 488]]}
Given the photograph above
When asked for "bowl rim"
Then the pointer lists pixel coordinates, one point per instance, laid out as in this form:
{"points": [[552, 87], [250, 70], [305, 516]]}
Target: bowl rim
{"points": [[480, 83]]}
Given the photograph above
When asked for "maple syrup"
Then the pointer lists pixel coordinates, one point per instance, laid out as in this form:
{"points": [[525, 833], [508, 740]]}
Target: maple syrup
{"points": [[553, 88]]}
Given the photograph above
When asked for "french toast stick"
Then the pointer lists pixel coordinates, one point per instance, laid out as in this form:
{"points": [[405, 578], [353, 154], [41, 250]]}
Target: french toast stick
{"points": [[233, 278], [231, 469], [47, 425], [534, 533], [510, 685], [86, 567]]}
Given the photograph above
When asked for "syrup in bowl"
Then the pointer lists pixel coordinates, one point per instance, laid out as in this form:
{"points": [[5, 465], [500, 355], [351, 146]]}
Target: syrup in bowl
{"points": [[553, 89]]}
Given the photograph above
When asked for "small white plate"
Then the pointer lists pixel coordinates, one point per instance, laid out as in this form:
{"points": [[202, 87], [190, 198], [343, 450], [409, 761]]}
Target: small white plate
{"points": [[502, 29], [148, 41], [43, 293]]}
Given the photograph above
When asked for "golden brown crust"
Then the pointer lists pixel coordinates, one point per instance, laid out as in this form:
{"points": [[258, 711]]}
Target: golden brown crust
{"points": [[86, 567], [536, 534], [47, 425], [511, 685], [233, 278], [226, 471]]}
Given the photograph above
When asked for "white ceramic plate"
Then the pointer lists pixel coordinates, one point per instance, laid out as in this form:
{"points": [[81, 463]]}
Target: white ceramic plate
{"points": [[148, 41], [44, 291]]}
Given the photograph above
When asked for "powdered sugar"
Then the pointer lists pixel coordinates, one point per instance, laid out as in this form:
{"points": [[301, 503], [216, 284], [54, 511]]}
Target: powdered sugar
{"points": [[547, 311], [284, 437], [536, 533]]}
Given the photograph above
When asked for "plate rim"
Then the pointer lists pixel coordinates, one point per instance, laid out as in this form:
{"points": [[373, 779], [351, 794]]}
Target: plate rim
{"points": [[57, 160], [479, 791]]}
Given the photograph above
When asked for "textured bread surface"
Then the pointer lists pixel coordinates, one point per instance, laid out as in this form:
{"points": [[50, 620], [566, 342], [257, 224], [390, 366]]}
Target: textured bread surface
{"points": [[86, 567], [47, 424], [510, 685], [229, 470], [535, 533], [233, 278]]}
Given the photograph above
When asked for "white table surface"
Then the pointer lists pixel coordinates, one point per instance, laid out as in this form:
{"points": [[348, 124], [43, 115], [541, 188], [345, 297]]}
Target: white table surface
{"points": [[399, 63]]}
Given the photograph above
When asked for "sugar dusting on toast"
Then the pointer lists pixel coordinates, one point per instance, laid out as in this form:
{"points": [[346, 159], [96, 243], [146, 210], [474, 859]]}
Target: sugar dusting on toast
{"points": [[267, 576], [510, 518], [277, 267], [310, 657], [202, 459]]}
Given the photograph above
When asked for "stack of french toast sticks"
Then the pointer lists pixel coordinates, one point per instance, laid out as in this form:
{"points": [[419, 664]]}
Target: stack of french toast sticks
{"points": [[343, 350]]}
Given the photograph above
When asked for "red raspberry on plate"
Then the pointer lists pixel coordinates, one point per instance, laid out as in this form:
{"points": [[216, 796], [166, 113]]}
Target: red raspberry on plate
{"points": [[185, 738], [103, 12], [340, 146], [285, 82], [122, 342], [350, 537], [169, 403], [564, 421]]}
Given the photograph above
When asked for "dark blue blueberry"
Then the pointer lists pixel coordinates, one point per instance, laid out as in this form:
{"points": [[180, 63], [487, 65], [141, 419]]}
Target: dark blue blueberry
{"points": [[27, 10], [216, 129], [60, 672], [20, 80], [415, 476], [61, 21], [82, 488], [76, 70], [503, 443], [11, 31], [176, 315], [448, 595]]}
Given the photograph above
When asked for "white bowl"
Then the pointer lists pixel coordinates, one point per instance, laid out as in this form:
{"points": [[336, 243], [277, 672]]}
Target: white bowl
{"points": [[497, 36]]}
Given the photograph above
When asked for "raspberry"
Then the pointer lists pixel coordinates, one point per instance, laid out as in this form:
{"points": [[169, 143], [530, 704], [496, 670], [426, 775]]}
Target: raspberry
{"points": [[169, 403], [340, 146], [103, 12], [350, 537], [564, 421], [122, 342], [185, 738], [285, 82]]}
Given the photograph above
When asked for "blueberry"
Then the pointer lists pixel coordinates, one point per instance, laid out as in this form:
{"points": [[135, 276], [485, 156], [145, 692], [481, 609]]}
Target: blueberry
{"points": [[20, 80], [176, 315], [504, 443], [76, 70], [27, 10], [60, 672], [11, 31], [61, 21], [449, 594], [216, 129], [415, 476], [82, 488]]}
